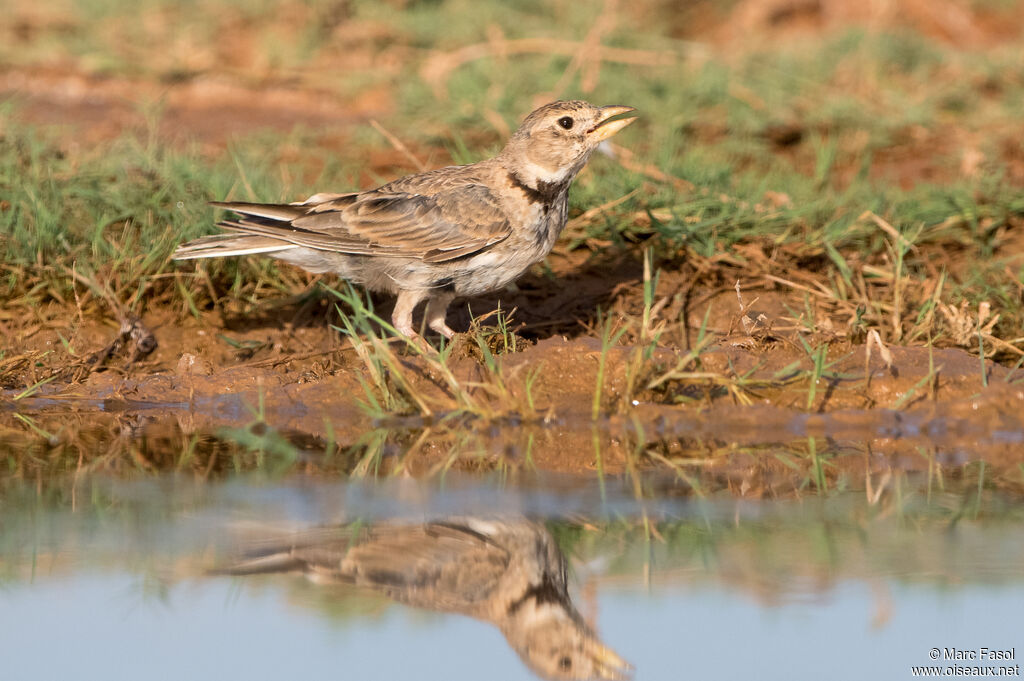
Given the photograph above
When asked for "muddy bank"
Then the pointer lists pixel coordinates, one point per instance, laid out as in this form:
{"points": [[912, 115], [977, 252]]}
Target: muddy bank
{"points": [[752, 418], [312, 374]]}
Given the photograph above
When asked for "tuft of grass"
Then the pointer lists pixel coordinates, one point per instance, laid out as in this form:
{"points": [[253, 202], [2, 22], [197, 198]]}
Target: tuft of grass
{"points": [[609, 338], [428, 388]]}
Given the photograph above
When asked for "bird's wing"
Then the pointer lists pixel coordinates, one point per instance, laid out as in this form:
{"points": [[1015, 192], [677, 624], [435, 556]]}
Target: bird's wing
{"points": [[442, 226], [444, 566], [447, 565]]}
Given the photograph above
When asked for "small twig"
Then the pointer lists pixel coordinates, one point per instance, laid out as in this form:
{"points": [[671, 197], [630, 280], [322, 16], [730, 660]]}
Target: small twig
{"points": [[74, 289], [886, 227], [274, 361], [560, 321], [100, 290], [586, 59], [799, 287], [744, 307], [438, 67], [1005, 345], [586, 217], [628, 161], [875, 339], [398, 144]]}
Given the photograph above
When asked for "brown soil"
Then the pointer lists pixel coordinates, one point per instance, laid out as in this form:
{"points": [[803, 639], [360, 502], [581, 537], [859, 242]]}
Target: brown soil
{"points": [[285, 370], [208, 110]]}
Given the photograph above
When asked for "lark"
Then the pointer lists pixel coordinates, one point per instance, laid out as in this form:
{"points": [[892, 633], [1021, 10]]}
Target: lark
{"points": [[506, 571], [453, 232]]}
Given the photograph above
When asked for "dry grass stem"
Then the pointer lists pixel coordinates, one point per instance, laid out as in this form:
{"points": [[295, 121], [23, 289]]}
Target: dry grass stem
{"points": [[399, 145]]}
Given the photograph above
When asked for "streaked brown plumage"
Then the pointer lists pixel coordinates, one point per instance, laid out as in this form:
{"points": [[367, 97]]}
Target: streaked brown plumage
{"points": [[505, 571], [452, 232]]}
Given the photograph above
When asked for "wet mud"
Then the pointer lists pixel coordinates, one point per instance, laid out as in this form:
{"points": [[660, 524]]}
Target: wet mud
{"points": [[747, 414]]}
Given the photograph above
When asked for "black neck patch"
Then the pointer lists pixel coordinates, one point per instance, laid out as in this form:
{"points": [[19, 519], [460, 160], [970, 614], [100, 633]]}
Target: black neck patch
{"points": [[545, 592], [546, 192]]}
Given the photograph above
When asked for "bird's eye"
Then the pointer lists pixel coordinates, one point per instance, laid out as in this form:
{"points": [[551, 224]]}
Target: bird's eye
{"points": [[565, 664], [565, 122]]}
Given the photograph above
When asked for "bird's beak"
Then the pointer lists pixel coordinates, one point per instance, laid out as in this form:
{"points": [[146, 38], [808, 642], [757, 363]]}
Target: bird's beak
{"points": [[610, 666], [606, 127]]}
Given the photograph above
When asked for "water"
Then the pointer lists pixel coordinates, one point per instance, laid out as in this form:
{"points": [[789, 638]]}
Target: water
{"points": [[90, 626], [110, 579]]}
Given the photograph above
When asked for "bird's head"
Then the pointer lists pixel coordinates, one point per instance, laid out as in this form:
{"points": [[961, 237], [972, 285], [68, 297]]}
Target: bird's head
{"points": [[555, 141], [556, 644]]}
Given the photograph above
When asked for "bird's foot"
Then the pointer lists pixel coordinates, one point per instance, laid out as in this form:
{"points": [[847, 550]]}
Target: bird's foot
{"points": [[442, 328], [413, 338]]}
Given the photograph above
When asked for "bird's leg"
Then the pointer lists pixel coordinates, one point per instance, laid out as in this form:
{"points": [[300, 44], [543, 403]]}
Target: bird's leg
{"points": [[402, 315], [437, 308]]}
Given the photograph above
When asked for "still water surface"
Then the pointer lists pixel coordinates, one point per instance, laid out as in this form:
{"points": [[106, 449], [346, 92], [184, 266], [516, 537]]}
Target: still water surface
{"points": [[114, 582]]}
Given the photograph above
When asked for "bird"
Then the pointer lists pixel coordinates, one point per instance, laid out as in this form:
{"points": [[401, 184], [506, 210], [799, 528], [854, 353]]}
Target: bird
{"points": [[504, 570], [457, 231]]}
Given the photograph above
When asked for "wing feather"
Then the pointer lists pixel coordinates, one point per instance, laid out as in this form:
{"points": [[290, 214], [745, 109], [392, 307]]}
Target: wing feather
{"points": [[458, 221]]}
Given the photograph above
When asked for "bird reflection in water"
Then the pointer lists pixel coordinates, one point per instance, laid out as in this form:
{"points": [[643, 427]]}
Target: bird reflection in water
{"points": [[505, 571]]}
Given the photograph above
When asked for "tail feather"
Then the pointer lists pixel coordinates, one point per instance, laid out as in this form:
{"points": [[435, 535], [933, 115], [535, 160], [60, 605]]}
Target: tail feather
{"points": [[317, 551], [264, 565], [254, 233], [224, 245], [275, 211]]}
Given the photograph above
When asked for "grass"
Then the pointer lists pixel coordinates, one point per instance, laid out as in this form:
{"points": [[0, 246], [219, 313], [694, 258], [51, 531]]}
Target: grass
{"points": [[397, 386], [120, 212], [874, 177]]}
